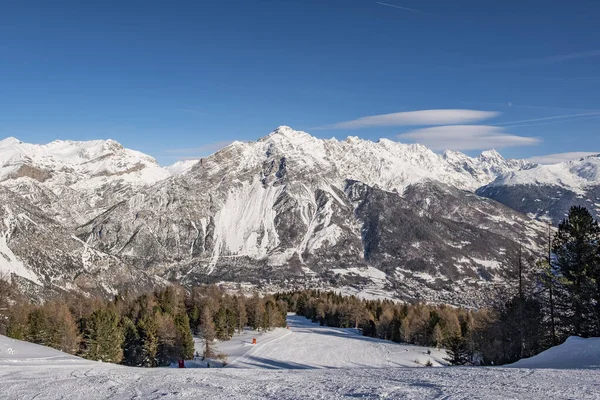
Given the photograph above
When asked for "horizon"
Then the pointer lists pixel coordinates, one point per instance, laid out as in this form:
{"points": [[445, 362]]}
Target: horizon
{"points": [[161, 79]]}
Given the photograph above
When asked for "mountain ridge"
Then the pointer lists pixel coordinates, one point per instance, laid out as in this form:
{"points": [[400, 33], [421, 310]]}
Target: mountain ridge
{"points": [[291, 209]]}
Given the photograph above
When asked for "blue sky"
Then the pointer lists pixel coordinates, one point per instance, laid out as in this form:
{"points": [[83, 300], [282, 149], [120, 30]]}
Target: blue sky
{"points": [[179, 79]]}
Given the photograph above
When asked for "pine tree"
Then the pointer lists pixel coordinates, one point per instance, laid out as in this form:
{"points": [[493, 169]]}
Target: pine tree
{"points": [[167, 351], [18, 318], [148, 331], [102, 337], [208, 332], [256, 312], [184, 342], [231, 323], [577, 260], [38, 328], [457, 350], [132, 344], [221, 324], [242, 316]]}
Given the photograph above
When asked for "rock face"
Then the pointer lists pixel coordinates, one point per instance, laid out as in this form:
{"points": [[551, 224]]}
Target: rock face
{"points": [[379, 219], [45, 258]]}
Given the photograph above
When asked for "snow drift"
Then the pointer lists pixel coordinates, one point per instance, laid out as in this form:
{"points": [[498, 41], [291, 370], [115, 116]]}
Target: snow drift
{"points": [[575, 353]]}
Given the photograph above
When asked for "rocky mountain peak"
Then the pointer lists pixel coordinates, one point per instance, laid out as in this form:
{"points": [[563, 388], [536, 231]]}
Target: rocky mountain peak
{"points": [[491, 155]]}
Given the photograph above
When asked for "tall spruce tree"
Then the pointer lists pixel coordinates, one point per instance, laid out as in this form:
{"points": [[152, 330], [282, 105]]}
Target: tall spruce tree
{"points": [[148, 331], [184, 341], [103, 337], [132, 344], [577, 262]]}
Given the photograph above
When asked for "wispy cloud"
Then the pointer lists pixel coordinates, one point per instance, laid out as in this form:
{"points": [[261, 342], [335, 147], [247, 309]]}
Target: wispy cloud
{"points": [[551, 120], [510, 105], [467, 137], [203, 150], [400, 7], [561, 157], [415, 118], [533, 61], [558, 58], [575, 79]]}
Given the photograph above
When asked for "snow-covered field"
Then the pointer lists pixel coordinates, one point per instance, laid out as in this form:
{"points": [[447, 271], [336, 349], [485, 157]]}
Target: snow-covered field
{"points": [[305, 362]]}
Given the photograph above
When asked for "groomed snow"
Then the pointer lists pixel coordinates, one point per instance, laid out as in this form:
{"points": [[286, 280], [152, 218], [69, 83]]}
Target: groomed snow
{"points": [[307, 345], [33, 371]]}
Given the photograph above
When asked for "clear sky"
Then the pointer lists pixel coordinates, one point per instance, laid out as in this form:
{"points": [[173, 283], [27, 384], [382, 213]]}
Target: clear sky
{"points": [[178, 79]]}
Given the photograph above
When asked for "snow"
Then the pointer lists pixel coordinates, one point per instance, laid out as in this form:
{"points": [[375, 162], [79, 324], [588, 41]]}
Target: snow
{"points": [[366, 272], [181, 167], [246, 212], [307, 345], [9, 263], [576, 352], [574, 175], [493, 264], [15, 352], [307, 362], [85, 164]]}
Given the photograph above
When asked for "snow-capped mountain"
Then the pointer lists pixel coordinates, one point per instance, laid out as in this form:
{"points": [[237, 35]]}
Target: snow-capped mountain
{"points": [[72, 180], [548, 191], [45, 258], [376, 218]]}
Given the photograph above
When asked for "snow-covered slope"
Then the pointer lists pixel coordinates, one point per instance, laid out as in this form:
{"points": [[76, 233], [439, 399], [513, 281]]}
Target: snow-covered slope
{"points": [[574, 175], [308, 345], [74, 180], [575, 353], [548, 191], [16, 352], [327, 364]]}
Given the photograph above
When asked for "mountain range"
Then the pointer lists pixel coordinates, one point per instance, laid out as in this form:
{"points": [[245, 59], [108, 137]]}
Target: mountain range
{"points": [[377, 219]]}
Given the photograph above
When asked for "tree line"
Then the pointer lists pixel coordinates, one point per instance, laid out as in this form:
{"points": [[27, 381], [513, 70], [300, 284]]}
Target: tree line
{"points": [[148, 330]]}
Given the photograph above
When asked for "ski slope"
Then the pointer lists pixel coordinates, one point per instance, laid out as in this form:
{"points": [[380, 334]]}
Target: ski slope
{"points": [[306, 362], [307, 345]]}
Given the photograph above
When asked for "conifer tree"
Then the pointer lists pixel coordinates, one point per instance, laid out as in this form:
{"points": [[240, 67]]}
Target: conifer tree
{"points": [[221, 324], [231, 323], [184, 342], [132, 344], [167, 351], [102, 337], [577, 260], [38, 328], [242, 316], [148, 333], [208, 332], [457, 350], [438, 336]]}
